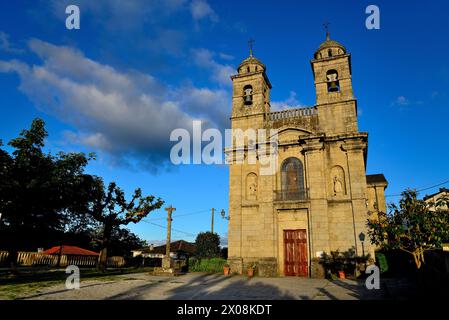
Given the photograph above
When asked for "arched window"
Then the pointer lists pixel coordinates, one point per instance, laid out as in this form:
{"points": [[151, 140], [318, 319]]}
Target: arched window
{"points": [[248, 94], [329, 52], [248, 69], [333, 84], [292, 179]]}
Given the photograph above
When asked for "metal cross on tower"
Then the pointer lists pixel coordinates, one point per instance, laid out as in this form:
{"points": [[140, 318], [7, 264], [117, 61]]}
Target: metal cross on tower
{"points": [[250, 45], [326, 27]]}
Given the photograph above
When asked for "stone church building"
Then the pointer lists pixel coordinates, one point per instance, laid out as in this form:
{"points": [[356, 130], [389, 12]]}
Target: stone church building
{"points": [[319, 197]]}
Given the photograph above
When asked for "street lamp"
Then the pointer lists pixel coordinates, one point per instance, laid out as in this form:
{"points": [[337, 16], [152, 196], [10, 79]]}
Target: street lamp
{"points": [[362, 240], [223, 215]]}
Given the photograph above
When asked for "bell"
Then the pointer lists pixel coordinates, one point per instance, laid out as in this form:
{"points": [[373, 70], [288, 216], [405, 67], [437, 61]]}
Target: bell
{"points": [[333, 87], [248, 99]]}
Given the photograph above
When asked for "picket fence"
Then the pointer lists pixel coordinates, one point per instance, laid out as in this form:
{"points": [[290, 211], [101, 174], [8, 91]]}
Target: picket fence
{"points": [[40, 259]]}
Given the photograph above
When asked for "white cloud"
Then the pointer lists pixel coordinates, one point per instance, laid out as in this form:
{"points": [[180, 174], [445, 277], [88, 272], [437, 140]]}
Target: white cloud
{"points": [[225, 56], [5, 44], [220, 73], [119, 14], [200, 10], [289, 103], [401, 101], [128, 115]]}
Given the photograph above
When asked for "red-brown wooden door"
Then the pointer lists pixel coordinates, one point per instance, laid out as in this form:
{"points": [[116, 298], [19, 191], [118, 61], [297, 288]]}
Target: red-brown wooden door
{"points": [[295, 253]]}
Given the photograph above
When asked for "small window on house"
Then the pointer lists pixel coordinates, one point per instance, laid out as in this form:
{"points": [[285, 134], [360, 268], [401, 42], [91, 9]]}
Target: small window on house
{"points": [[329, 52], [247, 69], [248, 94], [256, 68], [333, 84]]}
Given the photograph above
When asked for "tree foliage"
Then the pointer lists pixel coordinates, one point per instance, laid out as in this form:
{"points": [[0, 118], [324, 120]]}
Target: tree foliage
{"points": [[121, 242], [110, 208], [412, 226], [37, 189], [207, 245], [48, 200]]}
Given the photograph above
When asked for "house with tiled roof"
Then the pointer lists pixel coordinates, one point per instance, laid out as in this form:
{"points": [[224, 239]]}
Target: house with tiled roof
{"points": [[70, 251], [433, 198]]}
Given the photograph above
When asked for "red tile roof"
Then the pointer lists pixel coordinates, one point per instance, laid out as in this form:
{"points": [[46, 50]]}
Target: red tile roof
{"points": [[71, 250]]}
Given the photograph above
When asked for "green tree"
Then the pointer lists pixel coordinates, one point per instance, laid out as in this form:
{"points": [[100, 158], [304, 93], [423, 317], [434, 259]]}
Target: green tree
{"points": [[121, 243], [37, 189], [207, 245], [112, 210], [411, 226]]}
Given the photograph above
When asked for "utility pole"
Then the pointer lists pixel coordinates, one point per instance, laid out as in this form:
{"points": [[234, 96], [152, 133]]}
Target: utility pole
{"points": [[166, 263], [212, 224]]}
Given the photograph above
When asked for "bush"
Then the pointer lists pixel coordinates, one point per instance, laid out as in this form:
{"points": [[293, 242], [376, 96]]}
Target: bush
{"points": [[207, 245], [382, 262], [214, 265], [345, 261]]}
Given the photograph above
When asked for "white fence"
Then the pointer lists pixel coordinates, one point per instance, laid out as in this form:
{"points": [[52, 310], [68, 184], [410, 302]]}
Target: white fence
{"points": [[40, 259]]}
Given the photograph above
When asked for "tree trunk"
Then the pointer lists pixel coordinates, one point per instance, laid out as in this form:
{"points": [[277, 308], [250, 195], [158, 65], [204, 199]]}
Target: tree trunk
{"points": [[13, 254], [58, 264], [103, 258]]}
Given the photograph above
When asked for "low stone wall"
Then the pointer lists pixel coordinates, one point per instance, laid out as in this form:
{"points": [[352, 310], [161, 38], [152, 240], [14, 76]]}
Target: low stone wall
{"points": [[265, 267]]}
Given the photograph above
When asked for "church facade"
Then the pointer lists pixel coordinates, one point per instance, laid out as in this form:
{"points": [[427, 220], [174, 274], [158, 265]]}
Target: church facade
{"points": [[319, 197]]}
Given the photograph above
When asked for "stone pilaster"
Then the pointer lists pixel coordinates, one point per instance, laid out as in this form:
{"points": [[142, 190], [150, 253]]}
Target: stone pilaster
{"points": [[313, 148], [355, 148]]}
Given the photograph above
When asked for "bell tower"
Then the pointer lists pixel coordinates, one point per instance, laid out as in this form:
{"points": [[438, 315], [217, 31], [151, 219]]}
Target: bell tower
{"points": [[335, 100], [251, 93]]}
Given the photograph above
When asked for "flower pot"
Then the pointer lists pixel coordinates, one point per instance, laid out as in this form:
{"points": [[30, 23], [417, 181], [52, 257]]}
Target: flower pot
{"points": [[341, 274], [250, 272], [226, 270]]}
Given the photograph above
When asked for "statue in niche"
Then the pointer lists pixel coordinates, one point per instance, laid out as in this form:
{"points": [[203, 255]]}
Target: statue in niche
{"points": [[251, 191], [338, 187]]}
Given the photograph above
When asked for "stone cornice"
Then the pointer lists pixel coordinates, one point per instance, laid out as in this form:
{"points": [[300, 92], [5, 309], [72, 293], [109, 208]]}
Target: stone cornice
{"points": [[354, 143], [312, 143]]}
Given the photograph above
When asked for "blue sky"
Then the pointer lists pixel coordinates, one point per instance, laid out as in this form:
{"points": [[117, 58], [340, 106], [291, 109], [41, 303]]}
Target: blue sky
{"points": [[138, 69]]}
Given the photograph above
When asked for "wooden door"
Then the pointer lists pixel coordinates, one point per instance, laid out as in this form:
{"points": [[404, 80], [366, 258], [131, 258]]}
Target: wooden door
{"points": [[295, 253]]}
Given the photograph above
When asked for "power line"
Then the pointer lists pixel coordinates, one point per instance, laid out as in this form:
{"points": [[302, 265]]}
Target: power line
{"points": [[164, 227], [437, 185], [181, 215]]}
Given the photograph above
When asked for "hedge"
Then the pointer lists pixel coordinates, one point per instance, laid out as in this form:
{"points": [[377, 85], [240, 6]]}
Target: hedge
{"points": [[214, 265]]}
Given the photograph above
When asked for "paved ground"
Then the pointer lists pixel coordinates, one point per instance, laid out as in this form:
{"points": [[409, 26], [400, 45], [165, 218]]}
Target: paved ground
{"points": [[202, 286]]}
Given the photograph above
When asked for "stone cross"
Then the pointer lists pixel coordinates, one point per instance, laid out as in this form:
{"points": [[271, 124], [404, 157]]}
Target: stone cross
{"points": [[169, 210]]}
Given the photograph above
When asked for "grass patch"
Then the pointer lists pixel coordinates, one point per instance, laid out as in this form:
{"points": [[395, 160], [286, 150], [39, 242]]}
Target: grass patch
{"points": [[213, 265], [31, 280]]}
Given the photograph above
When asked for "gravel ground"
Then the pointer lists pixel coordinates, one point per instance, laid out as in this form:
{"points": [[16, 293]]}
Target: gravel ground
{"points": [[195, 286]]}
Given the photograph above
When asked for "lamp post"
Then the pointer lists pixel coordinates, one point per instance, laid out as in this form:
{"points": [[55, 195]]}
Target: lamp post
{"points": [[362, 240], [223, 215]]}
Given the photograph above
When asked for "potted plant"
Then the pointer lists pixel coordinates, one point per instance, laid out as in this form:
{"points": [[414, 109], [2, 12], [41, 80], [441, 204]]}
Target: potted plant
{"points": [[340, 270], [251, 270], [226, 269]]}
